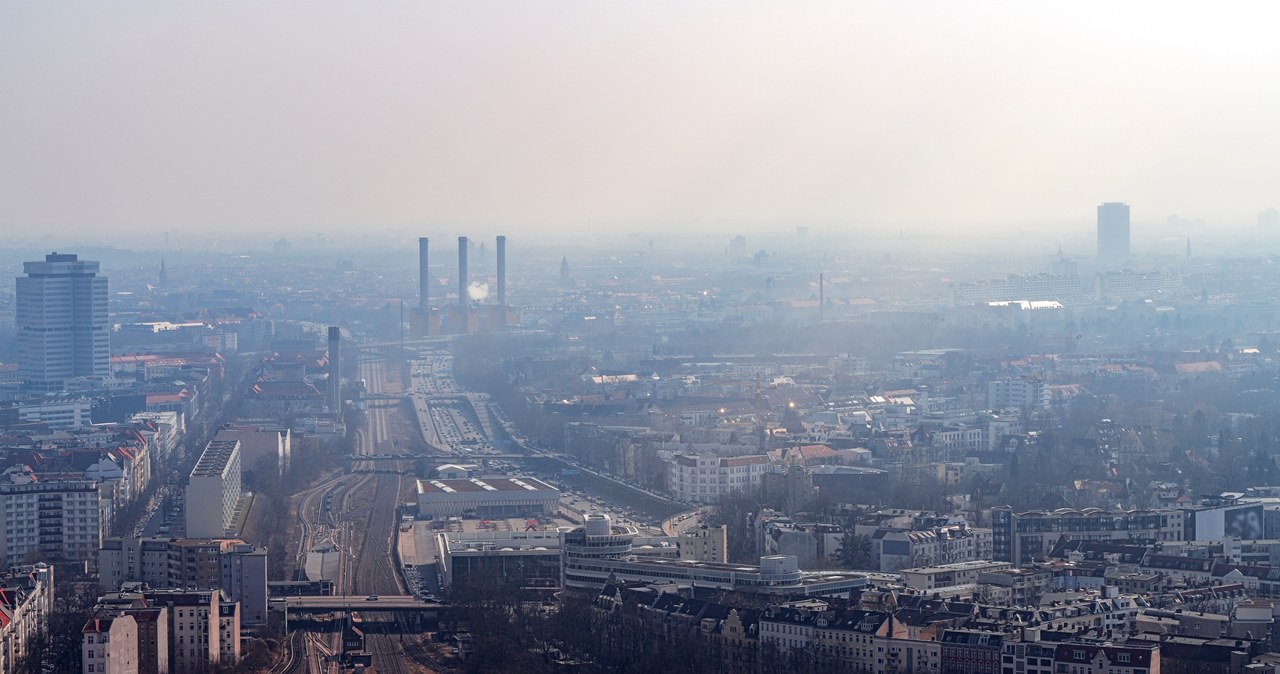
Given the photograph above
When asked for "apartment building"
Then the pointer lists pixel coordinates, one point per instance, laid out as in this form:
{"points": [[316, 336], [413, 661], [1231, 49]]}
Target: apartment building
{"points": [[109, 645], [26, 598], [704, 479], [203, 632], [57, 516], [894, 548], [238, 568]]}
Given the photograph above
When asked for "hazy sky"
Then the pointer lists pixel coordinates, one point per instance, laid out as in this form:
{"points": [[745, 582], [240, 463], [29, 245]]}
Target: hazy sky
{"points": [[320, 116]]}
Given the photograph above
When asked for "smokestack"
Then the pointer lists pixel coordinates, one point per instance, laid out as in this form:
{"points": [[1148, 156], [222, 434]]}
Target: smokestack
{"points": [[822, 296], [423, 284], [335, 372], [502, 271], [462, 272]]}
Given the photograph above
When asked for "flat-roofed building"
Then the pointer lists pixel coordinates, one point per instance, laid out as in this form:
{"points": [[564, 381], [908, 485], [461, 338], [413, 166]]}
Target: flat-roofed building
{"points": [[1025, 537], [213, 492], [948, 575], [597, 551], [487, 497]]}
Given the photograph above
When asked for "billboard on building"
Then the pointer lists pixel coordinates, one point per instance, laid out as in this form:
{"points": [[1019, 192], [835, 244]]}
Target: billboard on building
{"points": [[1240, 521]]}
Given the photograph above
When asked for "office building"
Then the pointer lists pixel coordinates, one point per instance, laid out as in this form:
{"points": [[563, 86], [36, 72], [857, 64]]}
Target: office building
{"points": [[592, 554], [213, 491], [1113, 232], [1025, 537], [62, 322], [1269, 218], [60, 519]]}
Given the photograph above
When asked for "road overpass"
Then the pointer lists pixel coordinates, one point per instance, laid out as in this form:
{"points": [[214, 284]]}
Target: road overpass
{"points": [[363, 604]]}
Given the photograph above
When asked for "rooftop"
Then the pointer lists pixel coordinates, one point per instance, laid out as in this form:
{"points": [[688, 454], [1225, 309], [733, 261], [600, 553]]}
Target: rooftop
{"points": [[217, 454], [476, 484]]}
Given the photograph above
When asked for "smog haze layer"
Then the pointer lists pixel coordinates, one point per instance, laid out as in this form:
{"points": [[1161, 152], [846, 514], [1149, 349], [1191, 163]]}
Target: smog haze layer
{"points": [[948, 119]]}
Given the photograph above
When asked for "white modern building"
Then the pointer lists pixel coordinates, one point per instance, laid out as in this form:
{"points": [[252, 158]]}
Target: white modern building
{"points": [[213, 491], [1025, 393], [60, 411], [62, 322]]}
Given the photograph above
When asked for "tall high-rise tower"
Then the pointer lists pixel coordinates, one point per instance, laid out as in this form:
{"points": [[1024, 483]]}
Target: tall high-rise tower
{"points": [[1113, 232], [62, 322]]}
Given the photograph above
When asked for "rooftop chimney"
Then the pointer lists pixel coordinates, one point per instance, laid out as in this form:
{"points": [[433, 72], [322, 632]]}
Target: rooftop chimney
{"points": [[502, 271], [335, 373]]}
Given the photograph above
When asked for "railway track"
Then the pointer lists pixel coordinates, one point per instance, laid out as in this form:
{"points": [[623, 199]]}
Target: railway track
{"points": [[356, 512]]}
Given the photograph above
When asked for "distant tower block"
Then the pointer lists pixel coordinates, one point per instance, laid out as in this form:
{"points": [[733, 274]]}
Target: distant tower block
{"points": [[424, 278], [1113, 232]]}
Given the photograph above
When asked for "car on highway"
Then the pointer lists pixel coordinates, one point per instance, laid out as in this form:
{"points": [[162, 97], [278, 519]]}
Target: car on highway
{"points": [[372, 597]]}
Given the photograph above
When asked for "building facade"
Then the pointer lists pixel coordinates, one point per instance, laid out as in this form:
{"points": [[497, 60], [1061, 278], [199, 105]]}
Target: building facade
{"points": [[213, 491], [109, 645], [59, 519]]}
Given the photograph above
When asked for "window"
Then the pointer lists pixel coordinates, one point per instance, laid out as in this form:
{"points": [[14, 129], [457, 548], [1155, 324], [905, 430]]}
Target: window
{"points": [[1122, 657]]}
